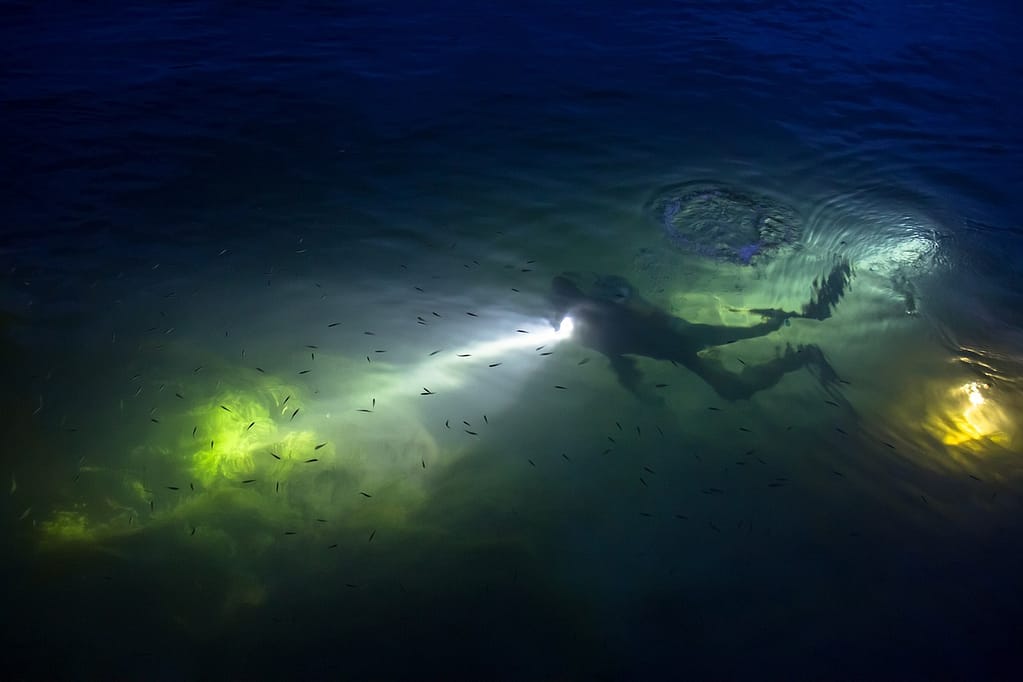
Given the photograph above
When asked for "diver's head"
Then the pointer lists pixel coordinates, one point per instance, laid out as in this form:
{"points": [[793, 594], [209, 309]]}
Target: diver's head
{"points": [[564, 288]]}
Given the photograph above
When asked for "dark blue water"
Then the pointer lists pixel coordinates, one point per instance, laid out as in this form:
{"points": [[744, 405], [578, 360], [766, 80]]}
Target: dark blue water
{"points": [[216, 214]]}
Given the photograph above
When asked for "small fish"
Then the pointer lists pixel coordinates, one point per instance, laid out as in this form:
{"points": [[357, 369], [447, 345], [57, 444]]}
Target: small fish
{"points": [[154, 420], [744, 429], [191, 486], [24, 514], [638, 432], [465, 355], [531, 462], [180, 396], [277, 487], [924, 499], [275, 455], [563, 388], [494, 364], [566, 457], [471, 433], [649, 470], [261, 370], [682, 516], [583, 361], [365, 494], [714, 409], [151, 505], [741, 362], [419, 289], [548, 353], [319, 446], [539, 348], [286, 401], [305, 371], [522, 331], [321, 520], [713, 491], [311, 460], [172, 487], [612, 440], [249, 480], [423, 460], [313, 347], [646, 514], [642, 481], [436, 314], [193, 531], [363, 409], [333, 324], [251, 424], [334, 546], [374, 402], [831, 402], [472, 314], [485, 420], [211, 444], [841, 431], [427, 391], [369, 333], [971, 476], [225, 409], [290, 532], [660, 385], [371, 536], [447, 423], [294, 413], [884, 442], [436, 351]]}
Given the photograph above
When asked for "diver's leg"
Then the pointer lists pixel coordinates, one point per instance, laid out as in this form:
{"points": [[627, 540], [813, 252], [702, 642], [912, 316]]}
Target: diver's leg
{"points": [[752, 378]]}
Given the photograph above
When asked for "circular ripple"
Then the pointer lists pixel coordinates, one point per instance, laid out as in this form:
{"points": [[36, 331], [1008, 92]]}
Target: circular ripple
{"points": [[725, 223]]}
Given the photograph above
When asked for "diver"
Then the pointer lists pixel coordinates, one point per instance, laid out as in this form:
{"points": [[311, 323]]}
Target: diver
{"points": [[612, 320]]}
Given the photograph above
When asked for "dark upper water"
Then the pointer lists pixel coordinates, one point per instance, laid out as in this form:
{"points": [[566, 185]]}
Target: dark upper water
{"points": [[282, 397]]}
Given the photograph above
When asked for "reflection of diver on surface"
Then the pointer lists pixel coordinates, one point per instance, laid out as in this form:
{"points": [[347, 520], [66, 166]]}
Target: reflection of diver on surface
{"points": [[614, 321]]}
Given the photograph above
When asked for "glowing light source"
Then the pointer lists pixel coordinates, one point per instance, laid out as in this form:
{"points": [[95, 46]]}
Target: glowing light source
{"points": [[565, 329], [975, 420], [973, 390]]}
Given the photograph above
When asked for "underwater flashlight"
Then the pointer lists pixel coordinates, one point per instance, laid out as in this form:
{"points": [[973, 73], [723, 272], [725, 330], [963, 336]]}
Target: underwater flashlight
{"points": [[565, 328]]}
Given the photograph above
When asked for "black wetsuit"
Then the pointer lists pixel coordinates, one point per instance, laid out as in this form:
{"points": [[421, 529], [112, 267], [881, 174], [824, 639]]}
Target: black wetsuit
{"points": [[618, 324]]}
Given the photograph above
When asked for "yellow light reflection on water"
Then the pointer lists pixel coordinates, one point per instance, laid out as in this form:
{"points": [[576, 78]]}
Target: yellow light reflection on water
{"points": [[969, 417]]}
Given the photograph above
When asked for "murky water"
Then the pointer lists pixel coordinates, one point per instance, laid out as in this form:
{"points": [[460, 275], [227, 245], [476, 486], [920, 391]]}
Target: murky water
{"points": [[284, 396]]}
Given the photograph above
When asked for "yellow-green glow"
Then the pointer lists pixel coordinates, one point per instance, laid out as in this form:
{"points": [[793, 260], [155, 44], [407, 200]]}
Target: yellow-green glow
{"points": [[225, 445], [973, 390], [966, 417], [68, 526]]}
